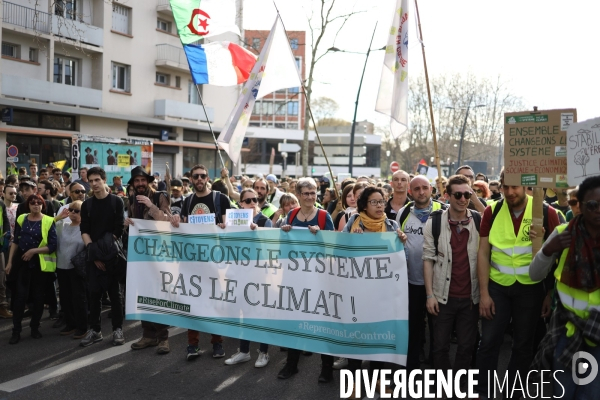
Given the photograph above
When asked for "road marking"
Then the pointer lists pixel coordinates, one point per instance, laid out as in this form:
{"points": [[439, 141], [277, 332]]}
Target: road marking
{"points": [[58, 370]]}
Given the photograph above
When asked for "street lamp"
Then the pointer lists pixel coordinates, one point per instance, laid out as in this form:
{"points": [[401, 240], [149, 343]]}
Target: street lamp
{"points": [[464, 126], [353, 130]]}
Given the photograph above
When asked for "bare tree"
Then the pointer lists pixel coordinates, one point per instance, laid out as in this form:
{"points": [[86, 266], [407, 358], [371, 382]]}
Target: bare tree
{"points": [[324, 107], [325, 21], [451, 96]]}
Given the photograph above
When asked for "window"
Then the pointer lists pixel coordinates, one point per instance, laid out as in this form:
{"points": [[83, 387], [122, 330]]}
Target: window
{"points": [[294, 44], [163, 25], [193, 93], [257, 108], [280, 108], [256, 43], [121, 18], [65, 71], [292, 108], [162, 79], [292, 126], [121, 77], [178, 81], [11, 50], [267, 108], [66, 8], [40, 120], [33, 55]]}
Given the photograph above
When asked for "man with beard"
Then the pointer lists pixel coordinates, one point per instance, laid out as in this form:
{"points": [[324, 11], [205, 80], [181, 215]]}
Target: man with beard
{"points": [[412, 219], [76, 192], [204, 201], [27, 188], [176, 196], [261, 187], [48, 192], [400, 181], [149, 204], [507, 292]]}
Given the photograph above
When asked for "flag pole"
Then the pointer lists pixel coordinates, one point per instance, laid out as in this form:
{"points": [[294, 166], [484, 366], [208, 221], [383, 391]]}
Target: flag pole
{"points": [[308, 105], [435, 146], [209, 126]]}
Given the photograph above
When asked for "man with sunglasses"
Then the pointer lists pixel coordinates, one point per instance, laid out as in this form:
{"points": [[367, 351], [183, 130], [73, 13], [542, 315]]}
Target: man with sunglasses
{"points": [[146, 203], [507, 292], [204, 201], [495, 189], [451, 286], [476, 203], [76, 192], [412, 219]]}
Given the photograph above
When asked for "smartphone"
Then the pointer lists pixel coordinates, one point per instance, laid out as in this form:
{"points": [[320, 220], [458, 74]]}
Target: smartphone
{"points": [[238, 177]]}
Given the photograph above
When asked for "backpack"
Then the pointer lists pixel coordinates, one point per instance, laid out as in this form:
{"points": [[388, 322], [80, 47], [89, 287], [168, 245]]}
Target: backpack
{"points": [[545, 213], [321, 217], [216, 195], [409, 206], [436, 225]]}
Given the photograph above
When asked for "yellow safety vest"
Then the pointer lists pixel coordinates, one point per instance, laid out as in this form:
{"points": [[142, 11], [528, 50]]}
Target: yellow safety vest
{"points": [[511, 255], [47, 261], [578, 301], [436, 206]]}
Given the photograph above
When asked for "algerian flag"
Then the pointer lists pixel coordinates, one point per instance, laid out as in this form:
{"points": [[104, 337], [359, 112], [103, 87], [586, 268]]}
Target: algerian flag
{"points": [[198, 19]]}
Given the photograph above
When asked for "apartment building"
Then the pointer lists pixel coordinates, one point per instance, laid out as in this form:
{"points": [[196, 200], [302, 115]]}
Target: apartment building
{"points": [[101, 68]]}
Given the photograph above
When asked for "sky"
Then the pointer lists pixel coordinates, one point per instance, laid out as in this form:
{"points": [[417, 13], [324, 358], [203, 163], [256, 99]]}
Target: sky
{"points": [[545, 50]]}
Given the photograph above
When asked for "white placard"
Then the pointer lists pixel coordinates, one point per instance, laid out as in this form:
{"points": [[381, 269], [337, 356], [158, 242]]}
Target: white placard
{"points": [[242, 217], [202, 219], [583, 150]]}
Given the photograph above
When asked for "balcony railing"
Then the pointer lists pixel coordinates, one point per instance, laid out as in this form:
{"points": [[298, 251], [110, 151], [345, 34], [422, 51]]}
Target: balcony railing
{"points": [[164, 7], [164, 3], [26, 17], [171, 56]]}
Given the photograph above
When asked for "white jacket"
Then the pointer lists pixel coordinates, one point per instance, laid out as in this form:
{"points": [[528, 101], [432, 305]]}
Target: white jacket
{"points": [[442, 267]]}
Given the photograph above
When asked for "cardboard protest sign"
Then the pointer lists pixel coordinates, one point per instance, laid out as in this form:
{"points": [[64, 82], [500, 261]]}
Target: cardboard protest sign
{"points": [[583, 150], [535, 151]]}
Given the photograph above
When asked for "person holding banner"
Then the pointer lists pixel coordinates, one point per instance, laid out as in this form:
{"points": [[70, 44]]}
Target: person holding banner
{"points": [[249, 201], [204, 202], [574, 327], [146, 203], [307, 216]]}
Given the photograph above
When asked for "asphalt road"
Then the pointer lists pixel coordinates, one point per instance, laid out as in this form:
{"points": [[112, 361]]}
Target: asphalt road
{"points": [[55, 367]]}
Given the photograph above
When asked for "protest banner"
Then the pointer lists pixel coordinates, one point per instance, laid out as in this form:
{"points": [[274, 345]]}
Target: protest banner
{"points": [[241, 217], [583, 150], [535, 151], [334, 293]]}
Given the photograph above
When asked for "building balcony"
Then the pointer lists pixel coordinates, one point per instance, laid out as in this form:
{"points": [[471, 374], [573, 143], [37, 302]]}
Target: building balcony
{"points": [[164, 7], [165, 108], [171, 57], [49, 92], [25, 17], [39, 22]]}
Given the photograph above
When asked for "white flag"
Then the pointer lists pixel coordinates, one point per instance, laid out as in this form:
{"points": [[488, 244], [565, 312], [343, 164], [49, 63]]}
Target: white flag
{"points": [[275, 69], [392, 99]]}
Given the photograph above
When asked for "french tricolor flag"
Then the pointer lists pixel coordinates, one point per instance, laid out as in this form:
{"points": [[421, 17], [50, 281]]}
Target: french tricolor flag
{"points": [[219, 63]]}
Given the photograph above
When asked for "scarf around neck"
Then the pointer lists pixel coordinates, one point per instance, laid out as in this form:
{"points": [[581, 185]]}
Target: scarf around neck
{"points": [[371, 224], [582, 267], [422, 213]]}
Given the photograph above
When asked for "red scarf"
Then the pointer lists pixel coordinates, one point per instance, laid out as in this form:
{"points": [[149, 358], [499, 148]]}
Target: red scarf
{"points": [[582, 266]]}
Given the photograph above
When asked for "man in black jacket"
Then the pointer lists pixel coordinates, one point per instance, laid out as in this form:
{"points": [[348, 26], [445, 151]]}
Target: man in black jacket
{"points": [[100, 214]]}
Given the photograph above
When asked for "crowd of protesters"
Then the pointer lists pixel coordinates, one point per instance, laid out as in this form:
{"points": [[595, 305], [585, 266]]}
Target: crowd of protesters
{"points": [[472, 275]]}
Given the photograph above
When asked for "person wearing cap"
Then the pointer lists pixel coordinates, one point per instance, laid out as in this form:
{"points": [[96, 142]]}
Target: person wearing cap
{"points": [[176, 196], [162, 185], [27, 188], [148, 204], [274, 193], [185, 191]]}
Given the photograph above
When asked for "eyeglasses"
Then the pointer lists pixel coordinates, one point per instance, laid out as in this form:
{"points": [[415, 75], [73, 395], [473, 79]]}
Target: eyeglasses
{"points": [[458, 195], [573, 202], [78, 191], [591, 205], [12, 193], [377, 202], [74, 210], [478, 190], [308, 194], [248, 201], [35, 203], [201, 176]]}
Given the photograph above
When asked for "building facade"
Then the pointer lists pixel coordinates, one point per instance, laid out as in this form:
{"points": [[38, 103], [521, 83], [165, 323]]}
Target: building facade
{"points": [[97, 68]]}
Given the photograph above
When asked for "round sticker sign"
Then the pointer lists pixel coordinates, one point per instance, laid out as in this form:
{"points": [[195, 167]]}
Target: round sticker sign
{"points": [[12, 151]]}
